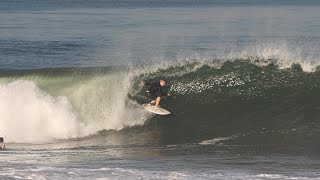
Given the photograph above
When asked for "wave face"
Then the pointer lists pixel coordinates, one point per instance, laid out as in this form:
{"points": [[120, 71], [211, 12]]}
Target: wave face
{"points": [[242, 99], [220, 98]]}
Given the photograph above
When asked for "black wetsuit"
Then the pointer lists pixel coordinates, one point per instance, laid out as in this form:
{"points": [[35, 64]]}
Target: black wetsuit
{"points": [[155, 90]]}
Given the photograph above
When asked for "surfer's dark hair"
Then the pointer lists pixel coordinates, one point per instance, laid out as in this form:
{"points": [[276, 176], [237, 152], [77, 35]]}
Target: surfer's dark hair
{"points": [[1, 139]]}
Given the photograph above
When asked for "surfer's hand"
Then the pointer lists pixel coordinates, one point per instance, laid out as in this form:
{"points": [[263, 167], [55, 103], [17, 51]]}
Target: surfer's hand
{"points": [[168, 94]]}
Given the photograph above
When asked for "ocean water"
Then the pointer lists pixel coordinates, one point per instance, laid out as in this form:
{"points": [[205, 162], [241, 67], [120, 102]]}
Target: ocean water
{"points": [[244, 74]]}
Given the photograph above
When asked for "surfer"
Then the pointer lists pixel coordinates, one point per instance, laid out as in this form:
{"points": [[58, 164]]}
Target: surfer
{"points": [[2, 145], [155, 92]]}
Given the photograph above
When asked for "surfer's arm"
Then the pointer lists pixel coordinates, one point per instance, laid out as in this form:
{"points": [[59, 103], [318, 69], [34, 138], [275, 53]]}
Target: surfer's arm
{"points": [[166, 94]]}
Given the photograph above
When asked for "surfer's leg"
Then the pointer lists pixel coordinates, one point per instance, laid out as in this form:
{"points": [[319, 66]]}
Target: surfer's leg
{"points": [[152, 102], [158, 102], [153, 97]]}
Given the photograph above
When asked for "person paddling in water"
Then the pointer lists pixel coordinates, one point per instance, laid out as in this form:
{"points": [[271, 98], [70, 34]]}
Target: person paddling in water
{"points": [[155, 92]]}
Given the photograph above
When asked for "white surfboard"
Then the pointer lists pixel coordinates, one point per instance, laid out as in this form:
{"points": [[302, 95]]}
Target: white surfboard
{"points": [[159, 111]]}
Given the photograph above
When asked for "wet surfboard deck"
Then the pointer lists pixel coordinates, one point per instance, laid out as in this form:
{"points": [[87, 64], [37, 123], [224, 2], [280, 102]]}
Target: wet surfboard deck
{"points": [[153, 109]]}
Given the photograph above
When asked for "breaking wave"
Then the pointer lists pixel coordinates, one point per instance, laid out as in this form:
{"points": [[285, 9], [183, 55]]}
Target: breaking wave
{"points": [[257, 88]]}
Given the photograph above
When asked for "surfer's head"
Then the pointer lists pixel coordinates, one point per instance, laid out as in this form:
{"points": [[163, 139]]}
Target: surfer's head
{"points": [[162, 83], [1, 139]]}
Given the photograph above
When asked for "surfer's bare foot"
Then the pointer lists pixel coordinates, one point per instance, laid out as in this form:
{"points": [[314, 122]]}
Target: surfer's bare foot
{"points": [[157, 108]]}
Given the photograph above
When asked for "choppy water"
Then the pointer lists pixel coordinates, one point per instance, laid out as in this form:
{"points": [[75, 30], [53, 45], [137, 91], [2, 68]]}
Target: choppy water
{"points": [[244, 74]]}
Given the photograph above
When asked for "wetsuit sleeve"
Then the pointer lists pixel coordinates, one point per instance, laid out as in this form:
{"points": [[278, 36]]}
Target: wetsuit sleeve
{"points": [[164, 93]]}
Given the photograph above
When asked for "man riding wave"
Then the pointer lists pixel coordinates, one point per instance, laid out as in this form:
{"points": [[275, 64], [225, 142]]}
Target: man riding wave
{"points": [[155, 92]]}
